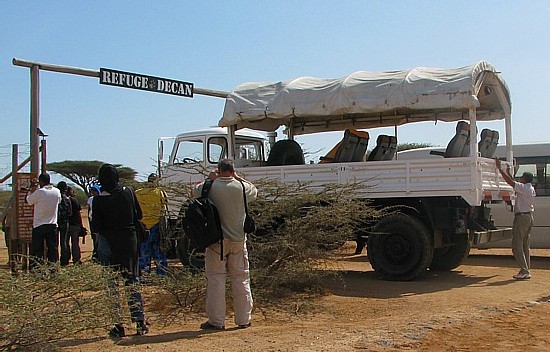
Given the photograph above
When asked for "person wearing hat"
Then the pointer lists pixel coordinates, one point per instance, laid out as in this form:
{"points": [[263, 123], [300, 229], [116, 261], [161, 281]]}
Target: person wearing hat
{"points": [[114, 212], [523, 219]]}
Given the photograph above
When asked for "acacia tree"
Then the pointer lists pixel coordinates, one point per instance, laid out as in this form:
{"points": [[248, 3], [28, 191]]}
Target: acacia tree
{"points": [[84, 172]]}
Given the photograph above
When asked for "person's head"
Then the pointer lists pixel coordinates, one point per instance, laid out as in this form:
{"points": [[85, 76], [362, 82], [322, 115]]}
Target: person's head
{"points": [[62, 186], [226, 167], [527, 177], [108, 177], [152, 178], [70, 191], [43, 179]]}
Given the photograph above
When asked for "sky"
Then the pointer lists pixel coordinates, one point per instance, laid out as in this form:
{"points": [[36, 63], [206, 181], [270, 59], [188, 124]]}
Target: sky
{"points": [[221, 44]]}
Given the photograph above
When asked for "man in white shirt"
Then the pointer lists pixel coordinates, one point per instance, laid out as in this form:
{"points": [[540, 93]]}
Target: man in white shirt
{"points": [[44, 226], [227, 195], [523, 219]]}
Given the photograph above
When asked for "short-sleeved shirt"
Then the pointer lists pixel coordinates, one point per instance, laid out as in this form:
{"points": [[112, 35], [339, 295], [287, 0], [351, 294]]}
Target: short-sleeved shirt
{"points": [[45, 201], [525, 197], [153, 204], [227, 195]]}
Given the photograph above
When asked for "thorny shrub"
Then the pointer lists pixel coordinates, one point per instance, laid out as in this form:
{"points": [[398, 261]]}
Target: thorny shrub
{"points": [[50, 303], [298, 226]]}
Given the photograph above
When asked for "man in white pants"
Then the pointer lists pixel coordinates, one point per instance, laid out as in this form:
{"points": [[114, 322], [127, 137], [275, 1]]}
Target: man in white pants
{"points": [[523, 220], [227, 195]]}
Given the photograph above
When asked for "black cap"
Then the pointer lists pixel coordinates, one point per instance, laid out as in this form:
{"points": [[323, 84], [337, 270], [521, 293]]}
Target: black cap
{"points": [[527, 176]]}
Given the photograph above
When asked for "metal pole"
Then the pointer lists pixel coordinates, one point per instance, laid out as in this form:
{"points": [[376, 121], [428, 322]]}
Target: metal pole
{"points": [[14, 230], [95, 73], [43, 156], [35, 118]]}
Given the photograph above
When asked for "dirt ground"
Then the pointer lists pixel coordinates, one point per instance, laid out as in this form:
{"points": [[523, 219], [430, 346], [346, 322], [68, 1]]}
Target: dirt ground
{"points": [[477, 306]]}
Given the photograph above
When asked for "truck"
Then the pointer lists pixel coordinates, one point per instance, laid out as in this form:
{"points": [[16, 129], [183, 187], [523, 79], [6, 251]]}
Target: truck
{"points": [[444, 202]]}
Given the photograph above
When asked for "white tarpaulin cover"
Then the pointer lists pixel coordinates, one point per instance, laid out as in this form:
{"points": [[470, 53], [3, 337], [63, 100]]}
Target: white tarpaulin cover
{"points": [[369, 99]]}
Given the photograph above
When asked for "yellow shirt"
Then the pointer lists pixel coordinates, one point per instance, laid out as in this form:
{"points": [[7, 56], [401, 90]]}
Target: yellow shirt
{"points": [[153, 205]]}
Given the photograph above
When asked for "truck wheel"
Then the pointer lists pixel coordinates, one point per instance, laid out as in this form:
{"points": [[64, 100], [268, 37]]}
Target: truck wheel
{"points": [[450, 257], [400, 248], [286, 152]]}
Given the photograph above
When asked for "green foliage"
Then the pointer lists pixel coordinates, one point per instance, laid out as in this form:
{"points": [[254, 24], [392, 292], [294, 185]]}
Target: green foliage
{"points": [[84, 173], [407, 146]]}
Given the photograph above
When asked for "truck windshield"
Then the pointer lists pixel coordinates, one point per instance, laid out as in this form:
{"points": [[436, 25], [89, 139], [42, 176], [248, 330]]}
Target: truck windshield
{"points": [[190, 151], [250, 150]]}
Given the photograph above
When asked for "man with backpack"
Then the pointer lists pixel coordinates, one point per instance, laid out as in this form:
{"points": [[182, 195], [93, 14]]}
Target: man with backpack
{"points": [[64, 212], [75, 228], [227, 194]]}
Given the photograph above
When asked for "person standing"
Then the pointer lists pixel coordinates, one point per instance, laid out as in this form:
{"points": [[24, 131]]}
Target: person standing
{"points": [[73, 233], [94, 191], [64, 211], [152, 200], [523, 219], [227, 195], [114, 214], [45, 200]]}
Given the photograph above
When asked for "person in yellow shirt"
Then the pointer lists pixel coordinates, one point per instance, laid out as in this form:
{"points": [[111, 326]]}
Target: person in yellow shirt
{"points": [[153, 205]]}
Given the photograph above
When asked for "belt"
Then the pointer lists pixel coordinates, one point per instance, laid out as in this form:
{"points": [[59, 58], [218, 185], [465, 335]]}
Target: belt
{"points": [[526, 213]]}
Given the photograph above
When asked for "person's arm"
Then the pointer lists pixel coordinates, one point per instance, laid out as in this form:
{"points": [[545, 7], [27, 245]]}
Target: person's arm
{"points": [[30, 198], [506, 175]]}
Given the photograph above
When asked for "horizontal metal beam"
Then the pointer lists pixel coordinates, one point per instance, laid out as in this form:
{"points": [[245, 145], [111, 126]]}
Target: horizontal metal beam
{"points": [[95, 73]]}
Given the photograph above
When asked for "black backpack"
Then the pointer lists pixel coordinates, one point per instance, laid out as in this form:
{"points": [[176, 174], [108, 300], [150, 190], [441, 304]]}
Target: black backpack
{"points": [[202, 222], [64, 211]]}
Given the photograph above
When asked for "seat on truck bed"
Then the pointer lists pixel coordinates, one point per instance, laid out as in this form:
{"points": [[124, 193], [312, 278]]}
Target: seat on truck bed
{"points": [[459, 145], [385, 148], [351, 148]]}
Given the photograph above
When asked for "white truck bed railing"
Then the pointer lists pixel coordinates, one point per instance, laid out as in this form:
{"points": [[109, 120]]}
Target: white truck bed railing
{"points": [[473, 181]]}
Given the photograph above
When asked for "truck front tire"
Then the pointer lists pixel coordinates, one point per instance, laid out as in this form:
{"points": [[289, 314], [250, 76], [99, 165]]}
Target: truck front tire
{"points": [[400, 247]]}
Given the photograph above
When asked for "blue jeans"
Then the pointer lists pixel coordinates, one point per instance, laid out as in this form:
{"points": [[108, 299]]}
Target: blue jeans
{"points": [[150, 249], [135, 300], [40, 234]]}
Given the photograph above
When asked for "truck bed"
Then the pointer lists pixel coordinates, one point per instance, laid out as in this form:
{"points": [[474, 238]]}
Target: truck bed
{"points": [[474, 181]]}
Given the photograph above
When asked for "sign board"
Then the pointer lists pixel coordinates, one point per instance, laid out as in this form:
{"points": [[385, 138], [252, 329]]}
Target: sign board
{"points": [[24, 211], [143, 82]]}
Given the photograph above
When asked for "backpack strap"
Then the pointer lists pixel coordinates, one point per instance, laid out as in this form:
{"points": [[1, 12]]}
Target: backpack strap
{"points": [[207, 185]]}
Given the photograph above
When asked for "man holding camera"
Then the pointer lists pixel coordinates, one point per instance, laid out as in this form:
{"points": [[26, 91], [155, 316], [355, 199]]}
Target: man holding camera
{"points": [[45, 199]]}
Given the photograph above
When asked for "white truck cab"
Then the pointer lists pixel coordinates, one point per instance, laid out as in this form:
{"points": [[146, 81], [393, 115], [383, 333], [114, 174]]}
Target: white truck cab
{"points": [[445, 200]]}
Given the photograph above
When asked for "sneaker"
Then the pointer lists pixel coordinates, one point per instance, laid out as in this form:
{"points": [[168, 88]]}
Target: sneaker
{"points": [[117, 331], [142, 328], [208, 326], [244, 326], [522, 276]]}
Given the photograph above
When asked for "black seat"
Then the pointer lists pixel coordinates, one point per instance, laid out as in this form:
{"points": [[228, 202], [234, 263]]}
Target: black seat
{"points": [[385, 148], [488, 142], [459, 145], [286, 152]]}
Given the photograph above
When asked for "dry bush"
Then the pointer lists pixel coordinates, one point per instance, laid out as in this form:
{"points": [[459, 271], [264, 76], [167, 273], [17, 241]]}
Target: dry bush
{"points": [[299, 225], [49, 304], [178, 294]]}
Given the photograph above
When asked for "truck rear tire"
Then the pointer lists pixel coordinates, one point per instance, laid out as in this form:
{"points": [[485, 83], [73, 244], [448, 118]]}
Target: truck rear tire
{"points": [[400, 247], [450, 257]]}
